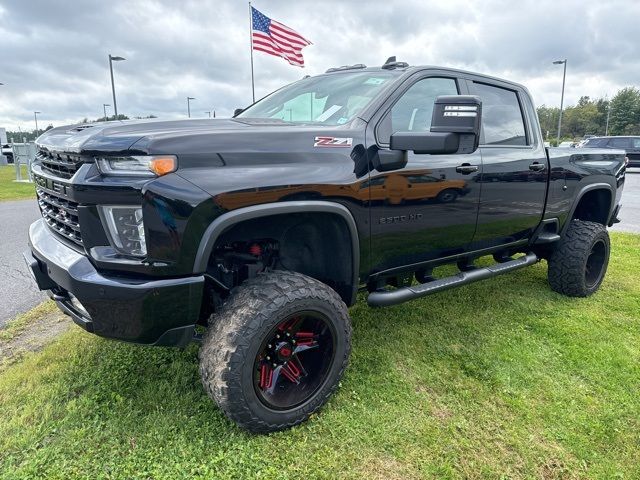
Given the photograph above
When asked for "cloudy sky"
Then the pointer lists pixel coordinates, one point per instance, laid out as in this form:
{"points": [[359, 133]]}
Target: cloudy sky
{"points": [[53, 53]]}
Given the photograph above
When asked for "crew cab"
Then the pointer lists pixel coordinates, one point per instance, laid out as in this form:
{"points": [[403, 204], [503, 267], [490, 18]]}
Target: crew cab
{"points": [[254, 234]]}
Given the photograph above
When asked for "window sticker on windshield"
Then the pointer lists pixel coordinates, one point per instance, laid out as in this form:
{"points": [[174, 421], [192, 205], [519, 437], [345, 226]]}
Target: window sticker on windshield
{"points": [[374, 81], [328, 112], [342, 120]]}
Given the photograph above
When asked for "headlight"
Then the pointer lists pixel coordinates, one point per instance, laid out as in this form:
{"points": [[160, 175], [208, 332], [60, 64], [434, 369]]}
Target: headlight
{"points": [[140, 166], [125, 228]]}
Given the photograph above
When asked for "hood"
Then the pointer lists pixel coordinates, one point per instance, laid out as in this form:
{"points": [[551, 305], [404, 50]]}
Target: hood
{"points": [[120, 136]]}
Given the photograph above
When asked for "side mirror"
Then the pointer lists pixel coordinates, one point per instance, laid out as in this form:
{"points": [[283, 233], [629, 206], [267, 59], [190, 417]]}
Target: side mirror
{"points": [[238, 111], [455, 128]]}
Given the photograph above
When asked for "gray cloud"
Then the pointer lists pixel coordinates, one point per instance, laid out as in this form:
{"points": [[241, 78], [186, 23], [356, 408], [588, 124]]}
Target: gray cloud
{"points": [[53, 54]]}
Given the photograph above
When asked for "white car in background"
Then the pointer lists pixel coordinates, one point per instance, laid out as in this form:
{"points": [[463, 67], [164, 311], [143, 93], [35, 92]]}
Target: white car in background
{"points": [[567, 145]]}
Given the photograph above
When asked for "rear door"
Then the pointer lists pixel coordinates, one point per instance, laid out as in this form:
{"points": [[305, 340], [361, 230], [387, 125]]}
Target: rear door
{"points": [[514, 166]]}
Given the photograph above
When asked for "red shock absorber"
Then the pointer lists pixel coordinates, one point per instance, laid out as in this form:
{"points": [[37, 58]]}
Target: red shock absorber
{"points": [[255, 250]]}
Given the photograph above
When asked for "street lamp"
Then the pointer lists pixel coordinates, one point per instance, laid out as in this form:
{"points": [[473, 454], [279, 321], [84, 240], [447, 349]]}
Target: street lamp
{"points": [[564, 76], [35, 117], [209, 112], [104, 108], [189, 106], [113, 88]]}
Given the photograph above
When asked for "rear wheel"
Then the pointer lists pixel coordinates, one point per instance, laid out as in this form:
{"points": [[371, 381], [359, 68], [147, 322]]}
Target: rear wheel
{"points": [[275, 352], [578, 264]]}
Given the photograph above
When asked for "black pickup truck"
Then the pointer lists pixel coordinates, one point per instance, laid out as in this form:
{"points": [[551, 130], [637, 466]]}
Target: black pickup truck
{"points": [[254, 234]]}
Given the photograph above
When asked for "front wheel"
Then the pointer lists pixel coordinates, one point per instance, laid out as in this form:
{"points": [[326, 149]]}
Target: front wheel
{"points": [[578, 264], [276, 351]]}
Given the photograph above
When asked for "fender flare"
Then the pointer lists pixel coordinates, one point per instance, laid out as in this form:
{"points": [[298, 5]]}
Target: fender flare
{"points": [[233, 217], [581, 193]]}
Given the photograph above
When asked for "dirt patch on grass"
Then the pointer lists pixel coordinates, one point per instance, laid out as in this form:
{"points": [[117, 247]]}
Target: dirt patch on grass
{"points": [[31, 332], [385, 467]]}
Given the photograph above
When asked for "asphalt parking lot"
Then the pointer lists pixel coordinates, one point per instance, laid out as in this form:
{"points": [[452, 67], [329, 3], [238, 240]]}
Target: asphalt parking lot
{"points": [[630, 214], [18, 292]]}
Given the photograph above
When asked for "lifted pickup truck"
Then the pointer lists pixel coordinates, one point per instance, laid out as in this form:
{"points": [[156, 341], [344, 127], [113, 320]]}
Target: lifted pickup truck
{"points": [[260, 230]]}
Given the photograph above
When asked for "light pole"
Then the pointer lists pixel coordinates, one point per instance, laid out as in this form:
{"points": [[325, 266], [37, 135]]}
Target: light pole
{"points": [[35, 117], [606, 128], [209, 112], [113, 88], [564, 76], [104, 108], [189, 106]]}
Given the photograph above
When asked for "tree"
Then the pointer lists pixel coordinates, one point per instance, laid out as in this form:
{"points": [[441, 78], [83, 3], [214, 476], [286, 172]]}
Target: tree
{"points": [[625, 112], [548, 117]]}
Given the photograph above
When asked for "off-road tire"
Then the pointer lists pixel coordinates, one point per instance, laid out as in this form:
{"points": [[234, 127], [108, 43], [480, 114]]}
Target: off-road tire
{"points": [[237, 332], [568, 262]]}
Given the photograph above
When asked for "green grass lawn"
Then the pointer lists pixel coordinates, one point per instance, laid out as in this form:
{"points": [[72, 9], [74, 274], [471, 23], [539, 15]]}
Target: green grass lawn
{"points": [[499, 379], [10, 190]]}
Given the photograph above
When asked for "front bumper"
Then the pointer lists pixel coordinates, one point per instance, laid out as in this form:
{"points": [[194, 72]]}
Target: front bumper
{"points": [[155, 312]]}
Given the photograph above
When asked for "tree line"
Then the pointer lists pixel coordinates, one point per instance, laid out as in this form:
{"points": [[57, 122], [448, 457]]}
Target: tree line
{"points": [[589, 117]]}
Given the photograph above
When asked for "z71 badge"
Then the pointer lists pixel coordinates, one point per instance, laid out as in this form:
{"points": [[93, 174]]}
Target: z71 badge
{"points": [[333, 142]]}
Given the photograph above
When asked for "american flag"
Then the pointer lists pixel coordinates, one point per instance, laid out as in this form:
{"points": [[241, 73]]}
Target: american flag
{"points": [[276, 39]]}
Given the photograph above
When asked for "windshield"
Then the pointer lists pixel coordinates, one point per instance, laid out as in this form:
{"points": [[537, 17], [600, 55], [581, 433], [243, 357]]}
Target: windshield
{"points": [[327, 99]]}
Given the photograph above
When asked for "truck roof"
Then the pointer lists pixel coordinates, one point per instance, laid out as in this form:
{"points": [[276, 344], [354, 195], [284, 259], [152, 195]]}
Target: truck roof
{"points": [[405, 69]]}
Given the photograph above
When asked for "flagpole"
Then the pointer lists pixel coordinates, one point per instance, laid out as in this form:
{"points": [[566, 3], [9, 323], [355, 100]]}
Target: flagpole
{"points": [[253, 88]]}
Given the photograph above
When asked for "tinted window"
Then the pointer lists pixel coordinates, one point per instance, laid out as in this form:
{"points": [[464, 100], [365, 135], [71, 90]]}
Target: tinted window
{"points": [[620, 143], [502, 122], [412, 112], [596, 142]]}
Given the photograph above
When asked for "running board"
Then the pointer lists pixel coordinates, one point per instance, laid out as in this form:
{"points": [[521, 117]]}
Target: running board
{"points": [[385, 298]]}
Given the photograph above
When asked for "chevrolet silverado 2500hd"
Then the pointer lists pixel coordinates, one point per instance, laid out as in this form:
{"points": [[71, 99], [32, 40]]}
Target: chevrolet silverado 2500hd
{"points": [[263, 227]]}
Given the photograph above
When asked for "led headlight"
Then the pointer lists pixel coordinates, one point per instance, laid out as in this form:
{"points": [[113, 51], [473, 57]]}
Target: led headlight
{"points": [[126, 229], [140, 166]]}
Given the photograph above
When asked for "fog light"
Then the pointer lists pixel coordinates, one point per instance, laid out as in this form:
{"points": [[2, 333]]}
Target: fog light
{"points": [[126, 228]]}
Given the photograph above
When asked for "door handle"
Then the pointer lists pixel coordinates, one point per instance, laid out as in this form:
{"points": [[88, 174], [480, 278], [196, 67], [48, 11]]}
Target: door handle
{"points": [[466, 168], [537, 167]]}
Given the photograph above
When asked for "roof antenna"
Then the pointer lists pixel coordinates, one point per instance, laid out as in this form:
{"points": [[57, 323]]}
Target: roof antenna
{"points": [[391, 63]]}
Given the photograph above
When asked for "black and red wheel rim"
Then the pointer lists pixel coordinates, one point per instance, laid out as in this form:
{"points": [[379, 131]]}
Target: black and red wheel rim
{"points": [[294, 360]]}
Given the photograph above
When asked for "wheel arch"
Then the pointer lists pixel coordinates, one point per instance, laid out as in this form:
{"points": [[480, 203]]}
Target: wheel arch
{"points": [[599, 194], [225, 222]]}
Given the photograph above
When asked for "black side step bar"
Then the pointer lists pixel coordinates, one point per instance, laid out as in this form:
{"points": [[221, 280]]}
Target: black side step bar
{"points": [[384, 298]]}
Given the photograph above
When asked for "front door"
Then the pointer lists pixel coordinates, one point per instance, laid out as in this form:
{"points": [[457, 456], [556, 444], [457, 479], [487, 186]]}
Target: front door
{"points": [[427, 209]]}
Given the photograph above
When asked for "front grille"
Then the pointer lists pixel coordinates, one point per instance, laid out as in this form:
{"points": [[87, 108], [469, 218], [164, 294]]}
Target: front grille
{"points": [[62, 165], [60, 214]]}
